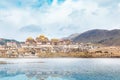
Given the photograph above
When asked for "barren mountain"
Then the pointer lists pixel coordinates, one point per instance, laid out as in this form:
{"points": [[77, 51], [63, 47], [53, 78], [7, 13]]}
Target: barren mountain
{"points": [[107, 37]]}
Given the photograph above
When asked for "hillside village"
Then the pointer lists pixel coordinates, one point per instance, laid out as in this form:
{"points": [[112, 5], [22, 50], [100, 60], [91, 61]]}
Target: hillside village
{"points": [[41, 46]]}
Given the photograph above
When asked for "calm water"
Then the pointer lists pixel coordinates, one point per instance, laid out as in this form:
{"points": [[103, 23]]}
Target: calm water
{"points": [[60, 69]]}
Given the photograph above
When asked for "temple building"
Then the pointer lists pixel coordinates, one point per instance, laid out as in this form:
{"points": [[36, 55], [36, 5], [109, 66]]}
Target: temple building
{"points": [[54, 41], [30, 41], [42, 40]]}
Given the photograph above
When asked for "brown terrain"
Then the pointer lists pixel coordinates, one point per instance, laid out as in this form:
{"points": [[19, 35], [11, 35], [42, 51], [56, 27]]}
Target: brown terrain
{"points": [[111, 51], [102, 52]]}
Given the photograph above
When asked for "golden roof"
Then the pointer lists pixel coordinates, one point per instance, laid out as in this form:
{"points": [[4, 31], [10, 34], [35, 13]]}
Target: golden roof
{"points": [[29, 38], [41, 36]]}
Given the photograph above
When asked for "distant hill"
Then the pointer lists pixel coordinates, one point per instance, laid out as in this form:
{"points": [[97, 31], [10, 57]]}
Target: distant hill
{"points": [[4, 41], [106, 37]]}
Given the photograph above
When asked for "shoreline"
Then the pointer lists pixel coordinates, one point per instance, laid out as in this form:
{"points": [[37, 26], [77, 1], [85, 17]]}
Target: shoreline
{"points": [[58, 57]]}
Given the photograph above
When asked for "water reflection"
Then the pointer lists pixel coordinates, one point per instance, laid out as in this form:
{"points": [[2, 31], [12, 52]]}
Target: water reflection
{"points": [[60, 69]]}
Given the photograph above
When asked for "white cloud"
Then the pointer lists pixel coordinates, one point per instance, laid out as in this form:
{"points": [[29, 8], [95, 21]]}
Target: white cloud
{"points": [[70, 16], [118, 4]]}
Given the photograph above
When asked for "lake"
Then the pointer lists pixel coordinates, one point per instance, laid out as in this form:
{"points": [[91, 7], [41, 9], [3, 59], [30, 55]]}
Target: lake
{"points": [[60, 69]]}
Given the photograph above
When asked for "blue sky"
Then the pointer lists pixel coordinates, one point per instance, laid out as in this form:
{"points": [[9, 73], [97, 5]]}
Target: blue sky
{"points": [[20, 19]]}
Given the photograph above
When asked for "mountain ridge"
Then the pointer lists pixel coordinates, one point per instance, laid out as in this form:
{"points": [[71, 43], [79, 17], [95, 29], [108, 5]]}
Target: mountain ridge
{"points": [[101, 36]]}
